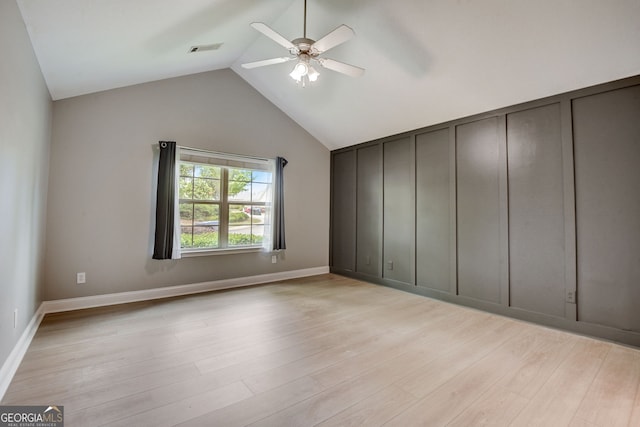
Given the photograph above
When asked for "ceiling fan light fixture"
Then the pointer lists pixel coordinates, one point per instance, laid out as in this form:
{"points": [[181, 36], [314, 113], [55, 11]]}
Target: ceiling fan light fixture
{"points": [[313, 74], [300, 70], [304, 73]]}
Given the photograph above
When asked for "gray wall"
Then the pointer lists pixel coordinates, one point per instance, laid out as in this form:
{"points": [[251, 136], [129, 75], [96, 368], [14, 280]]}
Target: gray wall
{"points": [[530, 211], [25, 130], [101, 190]]}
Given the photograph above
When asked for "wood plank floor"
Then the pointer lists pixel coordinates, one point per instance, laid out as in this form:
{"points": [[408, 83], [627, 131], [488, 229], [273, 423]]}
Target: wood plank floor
{"points": [[326, 351]]}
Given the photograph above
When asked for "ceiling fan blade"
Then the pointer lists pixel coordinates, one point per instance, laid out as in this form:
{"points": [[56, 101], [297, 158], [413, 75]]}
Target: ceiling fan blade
{"points": [[274, 35], [333, 39], [264, 62], [341, 67]]}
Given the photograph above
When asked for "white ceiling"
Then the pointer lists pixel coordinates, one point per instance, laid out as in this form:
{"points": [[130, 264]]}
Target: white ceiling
{"points": [[427, 61]]}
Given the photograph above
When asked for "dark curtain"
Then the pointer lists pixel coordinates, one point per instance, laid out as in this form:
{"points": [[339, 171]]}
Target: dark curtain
{"points": [[278, 206], [165, 202]]}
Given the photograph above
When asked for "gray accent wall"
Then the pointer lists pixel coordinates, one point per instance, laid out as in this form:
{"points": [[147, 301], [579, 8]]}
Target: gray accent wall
{"points": [[398, 211], [343, 208], [606, 130], [478, 186], [103, 175], [369, 211], [433, 210], [531, 211], [536, 210], [25, 134]]}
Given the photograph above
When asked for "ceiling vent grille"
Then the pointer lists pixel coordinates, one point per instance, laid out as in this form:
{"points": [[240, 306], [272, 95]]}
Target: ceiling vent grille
{"points": [[204, 47]]}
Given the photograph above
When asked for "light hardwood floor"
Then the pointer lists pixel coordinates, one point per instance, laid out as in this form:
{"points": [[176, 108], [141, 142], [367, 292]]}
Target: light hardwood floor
{"points": [[326, 351]]}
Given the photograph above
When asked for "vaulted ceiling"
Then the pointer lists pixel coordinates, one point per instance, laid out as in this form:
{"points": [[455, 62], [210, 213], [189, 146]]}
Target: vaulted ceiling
{"points": [[426, 61]]}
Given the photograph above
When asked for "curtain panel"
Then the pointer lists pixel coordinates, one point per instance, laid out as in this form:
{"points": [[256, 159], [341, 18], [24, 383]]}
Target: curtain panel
{"points": [[167, 237], [279, 242]]}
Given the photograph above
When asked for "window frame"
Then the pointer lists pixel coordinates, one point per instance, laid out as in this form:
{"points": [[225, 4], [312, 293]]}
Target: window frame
{"points": [[224, 227]]}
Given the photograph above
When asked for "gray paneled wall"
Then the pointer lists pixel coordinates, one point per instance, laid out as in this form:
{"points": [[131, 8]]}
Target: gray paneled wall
{"points": [[398, 211], [607, 157], [477, 148], [433, 210], [536, 210], [369, 211], [343, 210], [531, 211]]}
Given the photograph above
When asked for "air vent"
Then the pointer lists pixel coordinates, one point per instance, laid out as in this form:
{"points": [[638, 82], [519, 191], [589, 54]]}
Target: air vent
{"points": [[204, 47]]}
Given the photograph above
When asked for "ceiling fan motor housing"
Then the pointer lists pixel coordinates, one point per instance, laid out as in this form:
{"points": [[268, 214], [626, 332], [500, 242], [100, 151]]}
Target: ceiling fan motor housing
{"points": [[304, 46]]}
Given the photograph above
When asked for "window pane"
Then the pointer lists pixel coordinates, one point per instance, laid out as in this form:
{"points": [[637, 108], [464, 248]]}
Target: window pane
{"points": [[205, 225], [186, 169], [239, 191], [205, 215], [239, 184], [259, 192], [186, 188], [204, 171], [240, 235], [206, 189], [186, 238], [261, 176], [240, 175], [186, 214], [257, 229], [239, 214], [257, 237], [186, 225], [239, 225]]}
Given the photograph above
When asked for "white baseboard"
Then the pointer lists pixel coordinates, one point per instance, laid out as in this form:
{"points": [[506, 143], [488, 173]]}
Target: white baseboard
{"points": [[10, 366], [60, 305], [12, 363]]}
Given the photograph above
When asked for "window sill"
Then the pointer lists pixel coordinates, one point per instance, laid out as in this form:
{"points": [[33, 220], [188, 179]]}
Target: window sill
{"points": [[209, 252]]}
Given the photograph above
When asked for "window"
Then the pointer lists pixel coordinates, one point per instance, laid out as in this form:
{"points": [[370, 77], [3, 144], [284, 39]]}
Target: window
{"points": [[224, 201]]}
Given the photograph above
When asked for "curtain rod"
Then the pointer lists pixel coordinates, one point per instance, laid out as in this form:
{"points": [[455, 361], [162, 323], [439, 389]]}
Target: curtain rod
{"points": [[224, 154]]}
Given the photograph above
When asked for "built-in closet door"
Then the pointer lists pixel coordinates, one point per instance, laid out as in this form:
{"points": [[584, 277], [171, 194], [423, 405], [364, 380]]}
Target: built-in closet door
{"points": [[433, 210], [369, 210], [606, 130], [478, 202], [343, 211], [536, 210], [398, 212]]}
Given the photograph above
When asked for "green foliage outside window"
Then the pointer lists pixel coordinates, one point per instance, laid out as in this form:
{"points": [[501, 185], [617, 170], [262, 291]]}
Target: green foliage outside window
{"points": [[238, 217], [208, 240]]}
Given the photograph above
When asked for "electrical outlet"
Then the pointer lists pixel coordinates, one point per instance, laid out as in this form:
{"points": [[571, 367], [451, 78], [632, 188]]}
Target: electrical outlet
{"points": [[274, 259], [390, 264], [81, 278], [15, 318], [571, 297]]}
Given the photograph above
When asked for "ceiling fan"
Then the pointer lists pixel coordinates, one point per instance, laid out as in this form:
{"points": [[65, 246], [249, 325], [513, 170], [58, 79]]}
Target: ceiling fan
{"points": [[307, 51]]}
